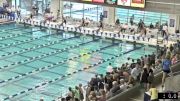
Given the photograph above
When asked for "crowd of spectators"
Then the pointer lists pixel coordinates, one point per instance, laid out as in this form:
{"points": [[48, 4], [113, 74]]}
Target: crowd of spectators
{"points": [[10, 10], [119, 79]]}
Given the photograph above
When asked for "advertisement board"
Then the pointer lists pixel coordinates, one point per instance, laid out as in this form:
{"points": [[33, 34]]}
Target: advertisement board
{"points": [[130, 3], [111, 2], [87, 0], [98, 1], [124, 2], [138, 3]]}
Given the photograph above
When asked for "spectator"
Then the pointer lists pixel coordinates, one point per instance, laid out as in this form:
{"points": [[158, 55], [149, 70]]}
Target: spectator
{"points": [[101, 17], [151, 26], [142, 61], [171, 48], [18, 11], [123, 85], [108, 81], [42, 99], [70, 94], [101, 82], [115, 88], [135, 72], [132, 20], [87, 22], [123, 67], [109, 68], [95, 82], [144, 78], [146, 60], [63, 99], [153, 93], [81, 94], [58, 14], [166, 68], [101, 26], [47, 10], [88, 90], [164, 30], [76, 94], [117, 22], [150, 79], [63, 21], [102, 96], [92, 96], [175, 59], [13, 9]]}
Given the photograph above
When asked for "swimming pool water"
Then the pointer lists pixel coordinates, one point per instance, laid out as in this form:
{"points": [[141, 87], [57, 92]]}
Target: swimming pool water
{"points": [[46, 56]]}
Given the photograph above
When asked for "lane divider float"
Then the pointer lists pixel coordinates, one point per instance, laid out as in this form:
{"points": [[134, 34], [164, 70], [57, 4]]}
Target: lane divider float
{"points": [[64, 76], [52, 65]]}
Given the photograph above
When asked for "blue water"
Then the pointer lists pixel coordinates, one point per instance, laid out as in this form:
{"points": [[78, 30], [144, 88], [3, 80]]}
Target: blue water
{"points": [[34, 61]]}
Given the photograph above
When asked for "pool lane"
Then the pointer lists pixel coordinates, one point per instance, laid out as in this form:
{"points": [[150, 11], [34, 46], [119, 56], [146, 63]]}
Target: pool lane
{"points": [[8, 26], [74, 80], [39, 63], [55, 60], [16, 50], [13, 27], [78, 63], [18, 32], [21, 40], [42, 48]]}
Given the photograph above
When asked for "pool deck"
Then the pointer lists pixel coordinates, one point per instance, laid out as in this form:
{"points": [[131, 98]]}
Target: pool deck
{"points": [[4, 21], [127, 37]]}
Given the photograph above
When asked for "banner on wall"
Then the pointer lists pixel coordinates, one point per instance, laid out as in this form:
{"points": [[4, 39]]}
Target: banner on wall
{"points": [[112, 2], [124, 2], [98, 1], [138, 3], [172, 22]]}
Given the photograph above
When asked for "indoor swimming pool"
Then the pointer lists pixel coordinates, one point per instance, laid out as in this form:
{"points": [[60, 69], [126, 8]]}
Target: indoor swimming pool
{"points": [[44, 63]]}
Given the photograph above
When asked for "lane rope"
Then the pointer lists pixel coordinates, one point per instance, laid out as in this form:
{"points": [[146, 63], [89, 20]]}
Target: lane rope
{"points": [[66, 75], [52, 65]]}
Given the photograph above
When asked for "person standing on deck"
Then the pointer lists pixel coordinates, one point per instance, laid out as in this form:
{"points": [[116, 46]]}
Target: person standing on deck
{"points": [[132, 20], [101, 17], [166, 64], [109, 68], [18, 11]]}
